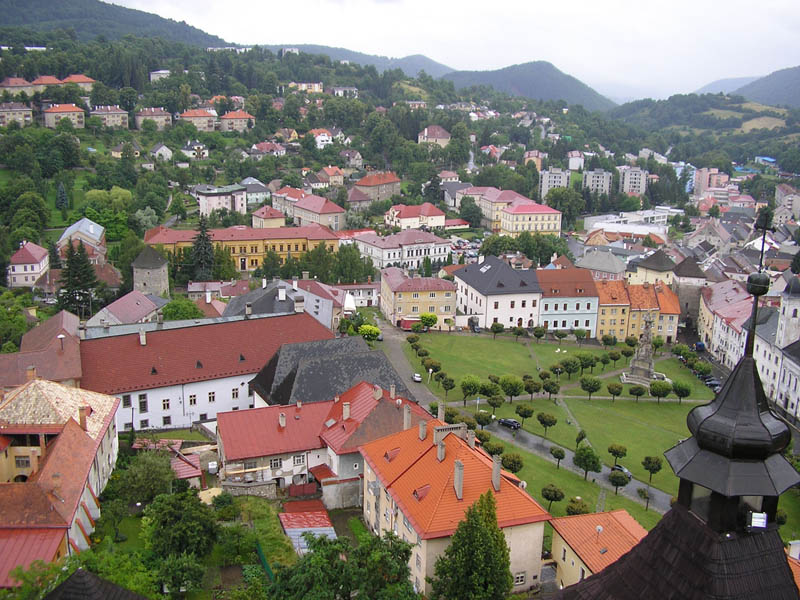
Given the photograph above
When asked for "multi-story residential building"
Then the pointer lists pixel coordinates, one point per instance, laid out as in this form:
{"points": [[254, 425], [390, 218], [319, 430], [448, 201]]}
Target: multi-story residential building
{"points": [[598, 181], [632, 180], [285, 199], [552, 178], [644, 306], [419, 483], [57, 112], [237, 120], [603, 264], [160, 152], [322, 137], [312, 209], [17, 85], [86, 231], [653, 268], [333, 176], [345, 92], [535, 156], [232, 198], [379, 186], [526, 215], [569, 300], [363, 294], [84, 82], [27, 265], [195, 149], [709, 178], [434, 134], [313, 87], [15, 111], [407, 249], [266, 216], [200, 118], [575, 160], [159, 116], [248, 245], [719, 302], [405, 298], [161, 387], [353, 158], [112, 116], [614, 309], [414, 216], [788, 394], [768, 354], [669, 313], [495, 292]]}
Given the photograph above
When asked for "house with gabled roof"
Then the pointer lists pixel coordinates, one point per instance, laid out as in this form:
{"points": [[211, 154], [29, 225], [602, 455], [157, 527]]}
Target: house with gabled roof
{"points": [[57, 112], [651, 269], [200, 118], [379, 186], [313, 209], [408, 248], [414, 216], [27, 265], [419, 483], [603, 264], [133, 307], [86, 231], [267, 216], [434, 134], [237, 120], [403, 299], [317, 441], [614, 306], [569, 300]]}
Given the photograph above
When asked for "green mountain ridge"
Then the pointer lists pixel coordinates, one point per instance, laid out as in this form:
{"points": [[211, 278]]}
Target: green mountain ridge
{"points": [[780, 88], [92, 18], [539, 80], [725, 86]]}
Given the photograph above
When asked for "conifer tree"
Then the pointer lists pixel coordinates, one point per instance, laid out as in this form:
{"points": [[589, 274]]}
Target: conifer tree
{"points": [[78, 282], [202, 253]]}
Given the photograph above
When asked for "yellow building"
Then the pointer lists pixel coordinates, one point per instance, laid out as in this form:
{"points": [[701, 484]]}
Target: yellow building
{"points": [[248, 246], [644, 302], [531, 217], [614, 308], [404, 298], [656, 267]]}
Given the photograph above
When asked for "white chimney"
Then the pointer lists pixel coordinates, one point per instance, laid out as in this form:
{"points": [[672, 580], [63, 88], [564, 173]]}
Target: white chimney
{"points": [[458, 479], [480, 259], [440, 451], [336, 398], [305, 274], [142, 337], [208, 296], [392, 391], [281, 294], [248, 309], [345, 411], [282, 420], [406, 417], [794, 549], [423, 429], [377, 392], [496, 472], [294, 284], [263, 282], [299, 404]]}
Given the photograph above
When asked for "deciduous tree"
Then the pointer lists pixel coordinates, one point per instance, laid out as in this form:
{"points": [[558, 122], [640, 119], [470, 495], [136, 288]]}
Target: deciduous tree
{"points": [[547, 421], [524, 411], [586, 459], [512, 386], [558, 453], [512, 462], [591, 385], [614, 389], [496, 328], [617, 451], [637, 391], [660, 389], [551, 493], [551, 387], [618, 479], [470, 386], [652, 464]]}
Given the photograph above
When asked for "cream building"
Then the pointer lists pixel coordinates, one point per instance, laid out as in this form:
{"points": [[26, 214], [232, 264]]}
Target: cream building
{"points": [[405, 298]]}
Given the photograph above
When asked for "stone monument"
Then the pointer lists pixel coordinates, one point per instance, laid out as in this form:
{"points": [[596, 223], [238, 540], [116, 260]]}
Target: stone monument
{"points": [[641, 370]]}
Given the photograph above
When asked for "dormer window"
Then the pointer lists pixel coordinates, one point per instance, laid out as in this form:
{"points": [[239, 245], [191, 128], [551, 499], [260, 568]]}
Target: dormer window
{"points": [[421, 492]]}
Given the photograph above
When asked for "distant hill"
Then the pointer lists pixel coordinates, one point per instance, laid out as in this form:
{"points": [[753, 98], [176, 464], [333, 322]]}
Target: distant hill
{"points": [[726, 86], [410, 65], [781, 88], [91, 18], [539, 80]]}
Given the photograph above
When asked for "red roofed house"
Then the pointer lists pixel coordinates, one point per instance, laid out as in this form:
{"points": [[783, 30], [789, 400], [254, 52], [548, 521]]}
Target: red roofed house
{"points": [[266, 216], [82, 81], [420, 482], [202, 119], [237, 120], [434, 134], [174, 377], [27, 265], [379, 186], [414, 217], [318, 441], [331, 175], [60, 446], [133, 307], [15, 111], [54, 114], [315, 209], [285, 198], [269, 148], [405, 298], [322, 137], [519, 216], [586, 544], [17, 85]]}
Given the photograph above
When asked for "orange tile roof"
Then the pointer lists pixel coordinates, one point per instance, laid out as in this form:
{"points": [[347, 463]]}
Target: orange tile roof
{"points": [[668, 302], [378, 179], [613, 292], [558, 283], [643, 297], [46, 80], [63, 108], [196, 113], [332, 171], [620, 533], [237, 114], [423, 486], [794, 565], [14, 81], [78, 78]]}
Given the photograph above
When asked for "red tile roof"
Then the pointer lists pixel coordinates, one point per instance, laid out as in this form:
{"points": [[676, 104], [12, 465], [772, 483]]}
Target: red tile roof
{"points": [[52, 361], [132, 307], [186, 466], [14, 82], [196, 113], [318, 205], [398, 281], [305, 519], [293, 506], [46, 80], [612, 292], [455, 223], [20, 546], [668, 302], [267, 212], [176, 353], [28, 254], [63, 108], [378, 179], [560, 283], [643, 297], [425, 209], [290, 192], [332, 171], [108, 274], [215, 308], [78, 78], [435, 132], [521, 207], [423, 486], [237, 114], [620, 533], [322, 290], [163, 235], [153, 111]]}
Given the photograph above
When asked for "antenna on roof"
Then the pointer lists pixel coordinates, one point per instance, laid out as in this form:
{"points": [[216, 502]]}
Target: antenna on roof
{"points": [[599, 530]]}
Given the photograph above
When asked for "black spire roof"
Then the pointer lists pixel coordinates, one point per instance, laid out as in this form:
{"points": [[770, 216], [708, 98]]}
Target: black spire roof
{"points": [[83, 585], [149, 258]]}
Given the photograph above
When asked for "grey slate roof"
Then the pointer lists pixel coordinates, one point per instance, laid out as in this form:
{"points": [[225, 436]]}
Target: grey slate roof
{"points": [[494, 276], [766, 328], [157, 300], [688, 267], [793, 351], [83, 585], [148, 258], [263, 301], [86, 226], [657, 261], [601, 260]]}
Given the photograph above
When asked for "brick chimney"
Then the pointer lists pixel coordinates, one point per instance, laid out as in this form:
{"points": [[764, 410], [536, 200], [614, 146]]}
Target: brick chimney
{"points": [[83, 412], [471, 438], [345, 411], [496, 472], [406, 417], [458, 479], [282, 420], [392, 391], [142, 337], [440, 451], [423, 429], [30, 373]]}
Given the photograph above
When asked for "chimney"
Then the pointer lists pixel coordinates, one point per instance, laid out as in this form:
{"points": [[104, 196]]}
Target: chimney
{"points": [[345, 411], [30, 373], [406, 417], [471, 438], [248, 309], [263, 282], [440, 451], [336, 398], [160, 317], [142, 337], [496, 472], [299, 404], [294, 284], [794, 549], [82, 413], [82, 330], [458, 479], [305, 274], [423, 430], [208, 296], [282, 420], [480, 259], [377, 392], [392, 391], [281, 294], [440, 412], [43, 449]]}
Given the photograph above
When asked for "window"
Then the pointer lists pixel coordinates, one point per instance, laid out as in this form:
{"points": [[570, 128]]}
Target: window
{"points": [[166, 420], [497, 305], [583, 574], [212, 396], [142, 403], [586, 323], [519, 578], [127, 426], [547, 307], [203, 416], [355, 466], [446, 308], [415, 295], [576, 322], [432, 295], [588, 306], [418, 560], [523, 304], [533, 303], [192, 399], [275, 463], [565, 306], [563, 555], [144, 424], [235, 393], [563, 323], [431, 309], [165, 404], [602, 311], [415, 308], [299, 460], [512, 304], [446, 294], [126, 400], [22, 462]]}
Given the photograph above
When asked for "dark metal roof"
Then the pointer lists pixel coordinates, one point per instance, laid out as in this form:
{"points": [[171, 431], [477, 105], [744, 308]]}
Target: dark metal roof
{"points": [[83, 585], [262, 300], [793, 351], [688, 267], [494, 276], [657, 261], [148, 258], [684, 559], [793, 289]]}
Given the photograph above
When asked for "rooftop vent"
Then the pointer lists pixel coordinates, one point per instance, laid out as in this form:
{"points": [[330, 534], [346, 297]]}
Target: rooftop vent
{"points": [[153, 371], [199, 365]]}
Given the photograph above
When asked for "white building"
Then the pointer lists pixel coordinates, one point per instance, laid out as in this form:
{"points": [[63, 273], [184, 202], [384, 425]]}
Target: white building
{"points": [[496, 293], [230, 197], [598, 181], [576, 160], [407, 249], [27, 265], [632, 180], [552, 178]]}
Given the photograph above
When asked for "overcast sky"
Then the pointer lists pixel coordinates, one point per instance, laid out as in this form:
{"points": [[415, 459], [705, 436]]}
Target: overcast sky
{"points": [[622, 48]]}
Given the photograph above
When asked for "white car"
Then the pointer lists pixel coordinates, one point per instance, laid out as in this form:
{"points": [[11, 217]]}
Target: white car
{"points": [[417, 377]]}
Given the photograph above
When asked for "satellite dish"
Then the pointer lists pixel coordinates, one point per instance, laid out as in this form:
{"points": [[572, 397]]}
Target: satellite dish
{"points": [[599, 529], [399, 401], [523, 484]]}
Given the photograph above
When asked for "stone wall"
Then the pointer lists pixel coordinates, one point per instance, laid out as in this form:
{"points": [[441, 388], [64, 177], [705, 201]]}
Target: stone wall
{"points": [[342, 495], [262, 489], [151, 281]]}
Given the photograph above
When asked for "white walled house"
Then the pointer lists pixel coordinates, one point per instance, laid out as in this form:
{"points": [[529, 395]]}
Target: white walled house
{"points": [[27, 265], [174, 376], [496, 293], [407, 249], [230, 197]]}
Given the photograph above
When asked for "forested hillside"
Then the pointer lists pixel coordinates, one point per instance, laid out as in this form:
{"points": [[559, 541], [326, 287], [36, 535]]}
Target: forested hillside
{"points": [[781, 88], [89, 19], [725, 86]]}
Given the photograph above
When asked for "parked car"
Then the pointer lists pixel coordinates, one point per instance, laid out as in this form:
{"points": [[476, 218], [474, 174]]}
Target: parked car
{"points": [[510, 423], [417, 377], [622, 469], [712, 383], [717, 389]]}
